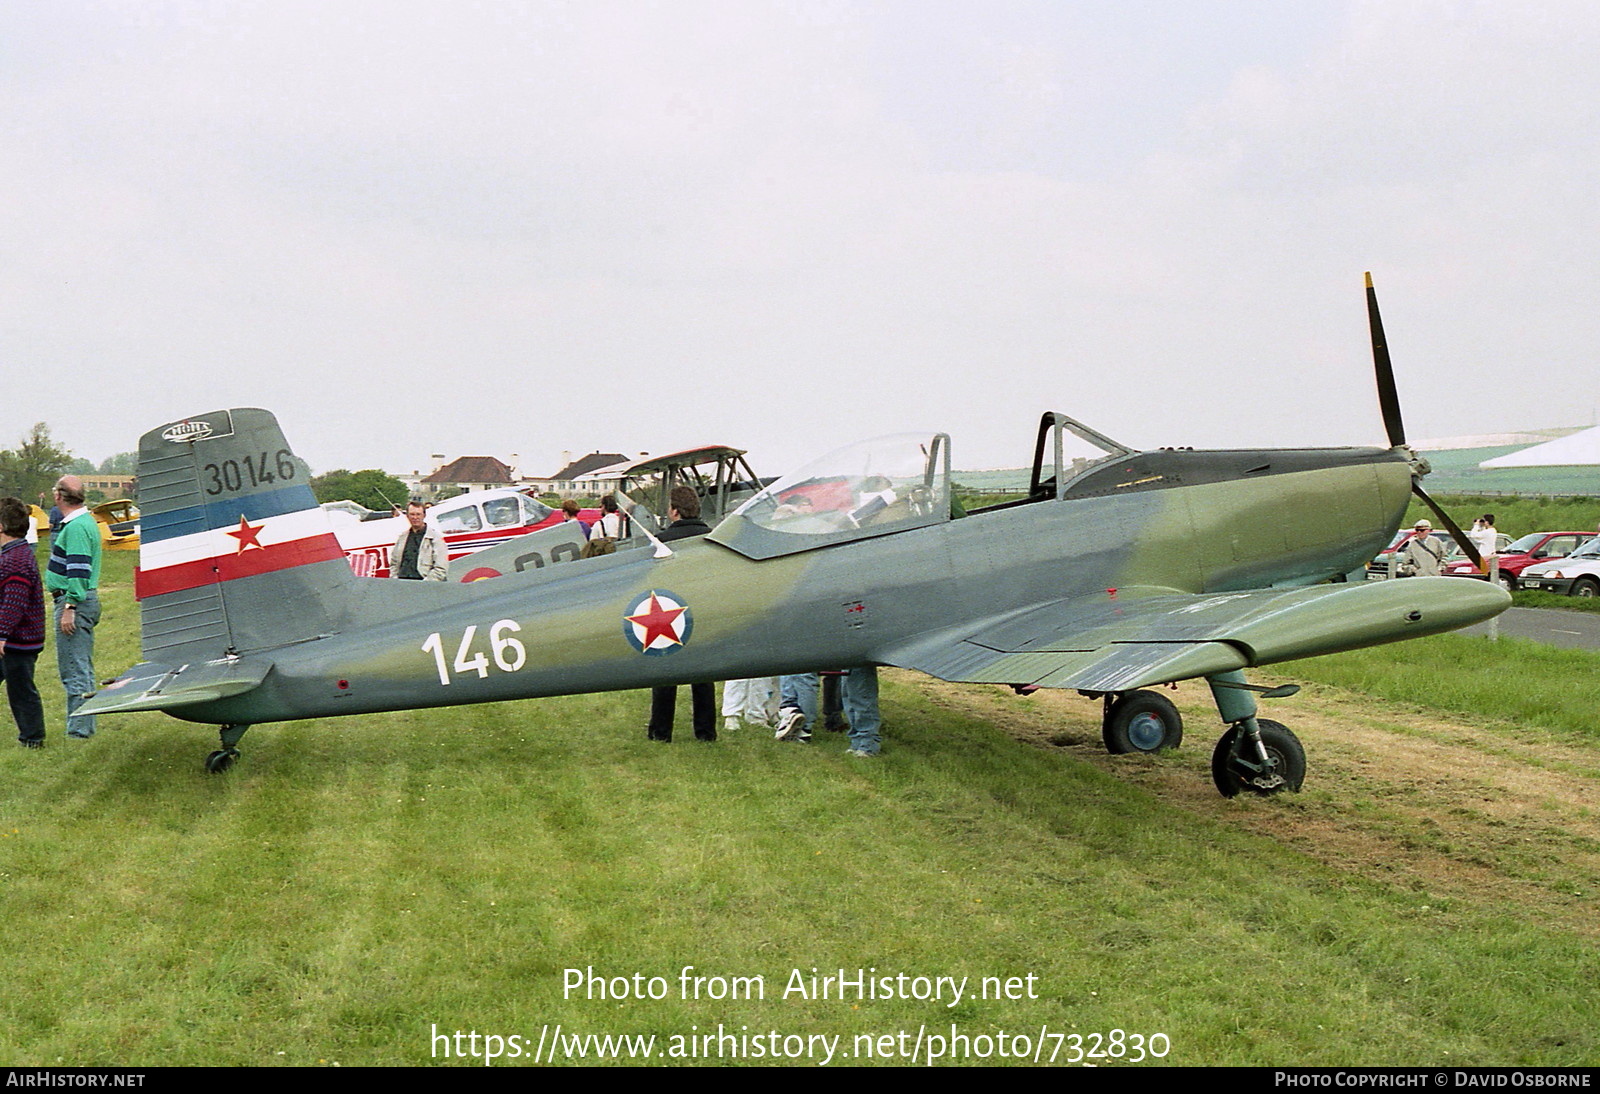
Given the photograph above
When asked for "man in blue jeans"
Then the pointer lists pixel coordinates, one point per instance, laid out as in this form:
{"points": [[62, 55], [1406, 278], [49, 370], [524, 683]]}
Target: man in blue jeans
{"points": [[798, 708], [73, 581]]}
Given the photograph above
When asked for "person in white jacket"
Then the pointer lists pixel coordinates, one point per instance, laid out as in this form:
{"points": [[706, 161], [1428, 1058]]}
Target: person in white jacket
{"points": [[420, 553], [1485, 538]]}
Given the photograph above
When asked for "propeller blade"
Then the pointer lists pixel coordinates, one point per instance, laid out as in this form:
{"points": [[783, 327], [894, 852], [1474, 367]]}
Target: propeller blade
{"points": [[1389, 403], [1468, 548], [1388, 398]]}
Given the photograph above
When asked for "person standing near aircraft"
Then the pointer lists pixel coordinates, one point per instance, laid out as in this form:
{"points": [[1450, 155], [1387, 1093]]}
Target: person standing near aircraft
{"points": [[797, 706], [609, 526], [860, 694], [73, 581], [570, 510], [21, 622], [1485, 537], [683, 514], [754, 701], [420, 553], [1422, 553]]}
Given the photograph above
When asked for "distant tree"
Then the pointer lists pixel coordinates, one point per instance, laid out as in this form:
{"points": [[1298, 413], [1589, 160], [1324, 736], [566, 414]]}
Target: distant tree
{"points": [[29, 471], [78, 466], [123, 463], [374, 489]]}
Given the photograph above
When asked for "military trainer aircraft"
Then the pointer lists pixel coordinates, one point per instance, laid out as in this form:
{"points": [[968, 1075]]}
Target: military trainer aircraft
{"points": [[1112, 576]]}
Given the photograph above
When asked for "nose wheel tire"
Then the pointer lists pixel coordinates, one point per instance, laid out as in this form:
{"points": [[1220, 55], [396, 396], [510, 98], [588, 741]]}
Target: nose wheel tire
{"points": [[1142, 721], [1236, 767]]}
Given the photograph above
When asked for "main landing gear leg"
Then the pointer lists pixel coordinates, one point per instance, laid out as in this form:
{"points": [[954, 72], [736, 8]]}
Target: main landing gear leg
{"points": [[1256, 755], [222, 759]]}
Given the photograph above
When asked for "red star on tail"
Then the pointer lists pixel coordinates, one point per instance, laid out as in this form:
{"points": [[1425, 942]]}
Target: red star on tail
{"points": [[246, 535]]}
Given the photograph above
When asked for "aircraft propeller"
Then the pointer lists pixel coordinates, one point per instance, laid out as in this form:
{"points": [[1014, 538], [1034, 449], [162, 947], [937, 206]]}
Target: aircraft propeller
{"points": [[1389, 404]]}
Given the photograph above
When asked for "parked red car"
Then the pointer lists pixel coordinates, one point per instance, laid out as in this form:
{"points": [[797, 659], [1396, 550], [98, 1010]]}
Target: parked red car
{"points": [[1518, 556]]}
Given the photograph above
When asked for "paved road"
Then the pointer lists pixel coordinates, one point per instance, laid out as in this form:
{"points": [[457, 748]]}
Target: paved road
{"points": [[1569, 630]]}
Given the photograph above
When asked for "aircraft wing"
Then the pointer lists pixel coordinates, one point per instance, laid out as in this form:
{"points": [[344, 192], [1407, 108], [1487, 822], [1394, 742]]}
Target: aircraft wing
{"points": [[1133, 638]]}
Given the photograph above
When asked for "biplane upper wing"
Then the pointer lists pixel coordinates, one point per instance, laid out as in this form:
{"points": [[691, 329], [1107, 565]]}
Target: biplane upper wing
{"points": [[1123, 639]]}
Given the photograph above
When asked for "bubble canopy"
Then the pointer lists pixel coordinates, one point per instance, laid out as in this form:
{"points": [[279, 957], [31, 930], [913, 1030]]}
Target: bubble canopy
{"points": [[870, 488]]}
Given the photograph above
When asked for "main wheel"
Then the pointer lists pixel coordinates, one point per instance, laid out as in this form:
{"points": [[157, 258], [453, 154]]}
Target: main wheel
{"points": [[1142, 721], [1586, 587], [1235, 773], [220, 760]]}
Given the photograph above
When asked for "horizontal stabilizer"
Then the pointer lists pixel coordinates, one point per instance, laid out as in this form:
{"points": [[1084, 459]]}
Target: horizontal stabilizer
{"points": [[149, 686]]}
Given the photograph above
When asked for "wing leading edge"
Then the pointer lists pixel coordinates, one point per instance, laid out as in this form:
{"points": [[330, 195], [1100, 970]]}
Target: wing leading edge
{"points": [[1135, 638]]}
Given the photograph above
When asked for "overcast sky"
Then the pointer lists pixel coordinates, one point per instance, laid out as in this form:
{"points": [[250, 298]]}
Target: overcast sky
{"points": [[530, 227]]}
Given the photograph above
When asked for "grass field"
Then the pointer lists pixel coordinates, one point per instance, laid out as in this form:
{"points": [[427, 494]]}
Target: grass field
{"points": [[355, 886], [1527, 598]]}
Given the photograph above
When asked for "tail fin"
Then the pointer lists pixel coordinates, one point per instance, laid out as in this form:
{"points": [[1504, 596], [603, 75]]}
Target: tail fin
{"points": [[236, 556]]}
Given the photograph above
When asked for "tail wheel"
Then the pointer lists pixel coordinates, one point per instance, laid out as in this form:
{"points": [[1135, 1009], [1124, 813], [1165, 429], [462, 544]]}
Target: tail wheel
{"points": [[1235, 769], [1142, 721]]}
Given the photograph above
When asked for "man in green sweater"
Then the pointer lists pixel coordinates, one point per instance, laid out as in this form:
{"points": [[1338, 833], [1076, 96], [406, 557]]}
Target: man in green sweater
{"points": [[73, 580]]}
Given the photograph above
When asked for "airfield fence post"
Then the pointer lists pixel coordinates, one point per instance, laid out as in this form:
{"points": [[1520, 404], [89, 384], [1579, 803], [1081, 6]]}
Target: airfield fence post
{"points": [[1494, 578]]}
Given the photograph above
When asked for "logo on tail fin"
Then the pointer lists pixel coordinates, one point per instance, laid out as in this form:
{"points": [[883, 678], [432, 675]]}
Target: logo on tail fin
{"points": [[196, 429], [186, 431]]}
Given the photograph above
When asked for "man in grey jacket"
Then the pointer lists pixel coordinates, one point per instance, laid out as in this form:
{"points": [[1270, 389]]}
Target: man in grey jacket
{"points": [[420, 553], [1421, 555]]}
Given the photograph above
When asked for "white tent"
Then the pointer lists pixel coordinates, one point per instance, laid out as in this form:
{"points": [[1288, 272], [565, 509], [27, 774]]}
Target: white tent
{"points": [[1574, 449]]}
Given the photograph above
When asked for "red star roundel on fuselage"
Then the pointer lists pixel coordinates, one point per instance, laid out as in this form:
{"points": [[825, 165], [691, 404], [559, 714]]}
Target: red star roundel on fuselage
{"points": [[657, 622]]}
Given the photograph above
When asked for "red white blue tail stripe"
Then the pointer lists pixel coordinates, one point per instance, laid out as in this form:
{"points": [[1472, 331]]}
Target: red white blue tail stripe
{"points": [[226, 540]]}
